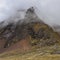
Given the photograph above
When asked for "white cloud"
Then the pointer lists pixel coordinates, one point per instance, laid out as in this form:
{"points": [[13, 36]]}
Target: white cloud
{"points": [[9, 7], [48, 10]]}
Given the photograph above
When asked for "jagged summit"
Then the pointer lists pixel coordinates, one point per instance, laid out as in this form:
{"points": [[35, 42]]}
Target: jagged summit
{"points": [[31, 16]]}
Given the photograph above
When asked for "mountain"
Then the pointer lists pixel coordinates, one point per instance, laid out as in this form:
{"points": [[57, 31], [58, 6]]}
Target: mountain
{"points": [[30, 35]]}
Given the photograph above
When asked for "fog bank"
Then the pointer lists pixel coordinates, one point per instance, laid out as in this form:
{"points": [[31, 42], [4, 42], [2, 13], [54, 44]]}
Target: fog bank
{"points": [[47, 10]]}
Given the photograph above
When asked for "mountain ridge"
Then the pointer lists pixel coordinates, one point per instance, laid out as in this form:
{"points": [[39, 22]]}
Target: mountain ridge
{"points": [[30, 33]]}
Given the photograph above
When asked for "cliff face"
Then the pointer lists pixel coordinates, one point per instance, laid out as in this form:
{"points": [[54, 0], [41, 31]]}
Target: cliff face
{"points": [[31, 32]]}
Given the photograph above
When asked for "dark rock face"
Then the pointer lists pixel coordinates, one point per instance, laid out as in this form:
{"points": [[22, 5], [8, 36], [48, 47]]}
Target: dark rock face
{"points": [[39, 34], [31, 10]]}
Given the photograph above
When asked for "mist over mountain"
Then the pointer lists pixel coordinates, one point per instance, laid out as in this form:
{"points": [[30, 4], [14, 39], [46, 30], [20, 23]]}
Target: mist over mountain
{"points": [[29, 29], [47, 10]]}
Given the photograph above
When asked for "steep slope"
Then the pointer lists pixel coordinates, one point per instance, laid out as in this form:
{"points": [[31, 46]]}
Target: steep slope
{"points": [[31, 34]]}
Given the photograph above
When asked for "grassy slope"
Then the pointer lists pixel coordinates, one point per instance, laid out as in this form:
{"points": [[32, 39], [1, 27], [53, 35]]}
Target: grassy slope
{"points": [[35, 54], [33, 57]]}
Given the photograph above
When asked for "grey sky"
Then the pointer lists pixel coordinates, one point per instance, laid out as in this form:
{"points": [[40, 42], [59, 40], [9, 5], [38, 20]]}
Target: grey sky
{"points": [[47, 10]]}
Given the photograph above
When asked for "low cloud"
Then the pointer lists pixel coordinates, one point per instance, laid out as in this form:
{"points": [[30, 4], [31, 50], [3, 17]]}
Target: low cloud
{"points": [[47, 10]]}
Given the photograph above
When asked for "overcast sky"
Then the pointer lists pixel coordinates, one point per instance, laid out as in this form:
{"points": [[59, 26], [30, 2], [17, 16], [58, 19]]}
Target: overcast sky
{"points": [[47, 10]]}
